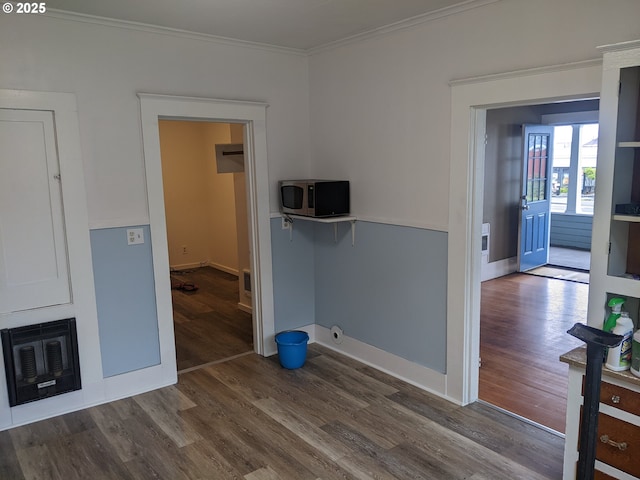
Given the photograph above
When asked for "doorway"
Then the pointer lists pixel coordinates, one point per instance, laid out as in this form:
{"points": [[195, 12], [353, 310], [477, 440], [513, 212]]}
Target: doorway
{"points": [[524, 317], [208, 244], [470, 100], [252, 116]]}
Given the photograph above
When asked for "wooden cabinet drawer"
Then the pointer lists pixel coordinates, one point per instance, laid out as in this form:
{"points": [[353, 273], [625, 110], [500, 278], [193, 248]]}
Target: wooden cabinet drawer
{"points": [[620, 397], [617, 431]]}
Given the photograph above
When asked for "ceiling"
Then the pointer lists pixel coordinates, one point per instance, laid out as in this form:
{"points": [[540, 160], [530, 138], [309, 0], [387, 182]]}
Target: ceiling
{"points": [[297, 24]]}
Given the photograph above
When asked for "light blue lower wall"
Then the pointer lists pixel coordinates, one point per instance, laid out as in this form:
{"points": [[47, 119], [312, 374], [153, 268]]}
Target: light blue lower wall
{"points": [[293, 274], [389, 290], [126, 303]]}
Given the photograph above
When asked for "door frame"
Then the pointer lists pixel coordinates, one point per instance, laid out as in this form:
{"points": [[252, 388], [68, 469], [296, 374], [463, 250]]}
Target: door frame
{"points": [[470, 100], [154, 107]]}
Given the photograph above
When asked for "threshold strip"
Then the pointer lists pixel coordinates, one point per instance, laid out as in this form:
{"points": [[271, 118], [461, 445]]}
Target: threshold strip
{"points": [[215, 362]]}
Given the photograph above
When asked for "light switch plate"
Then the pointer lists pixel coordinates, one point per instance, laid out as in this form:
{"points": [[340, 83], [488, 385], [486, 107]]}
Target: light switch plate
{"points": [[135, 236]]}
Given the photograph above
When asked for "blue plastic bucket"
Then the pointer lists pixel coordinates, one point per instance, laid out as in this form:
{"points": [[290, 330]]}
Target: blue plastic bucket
{"points": [[292, 348]]}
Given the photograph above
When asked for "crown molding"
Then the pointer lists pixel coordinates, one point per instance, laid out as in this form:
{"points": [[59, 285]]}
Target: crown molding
{"points": [[220, 40], [620, 46], [529, 71], [402, 24], [174, 32]]}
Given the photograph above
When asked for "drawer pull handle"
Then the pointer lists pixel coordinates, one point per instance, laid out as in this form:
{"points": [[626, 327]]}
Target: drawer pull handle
{"points": [[619, 445], [615, 399]]}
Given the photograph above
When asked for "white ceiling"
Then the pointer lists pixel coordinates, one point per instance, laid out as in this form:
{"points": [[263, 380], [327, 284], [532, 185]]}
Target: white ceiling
{"points": [[298, 24]]}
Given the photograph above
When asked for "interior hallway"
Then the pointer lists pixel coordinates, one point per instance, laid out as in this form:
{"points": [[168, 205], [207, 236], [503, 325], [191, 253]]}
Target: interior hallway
{"points": [[208, 324], [523, 324]]}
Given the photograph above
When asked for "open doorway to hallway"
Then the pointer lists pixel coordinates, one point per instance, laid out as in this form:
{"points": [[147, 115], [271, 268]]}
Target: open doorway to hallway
{"points": [[524, 318], [208, 245]]}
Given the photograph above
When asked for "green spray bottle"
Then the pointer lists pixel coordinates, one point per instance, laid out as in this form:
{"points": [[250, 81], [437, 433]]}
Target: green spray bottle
{"points": [[616, 307], [610, 322]]}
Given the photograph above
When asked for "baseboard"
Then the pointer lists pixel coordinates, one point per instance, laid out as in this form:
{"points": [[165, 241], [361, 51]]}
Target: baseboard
{"points": [[499, 269], [398, 367], [109, 390], [185, 266], [245, 308], [223, 268], [217, 266]]}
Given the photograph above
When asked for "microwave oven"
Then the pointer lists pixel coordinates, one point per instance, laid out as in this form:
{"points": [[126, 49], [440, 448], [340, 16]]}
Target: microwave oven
{"points": [[314, 198]]}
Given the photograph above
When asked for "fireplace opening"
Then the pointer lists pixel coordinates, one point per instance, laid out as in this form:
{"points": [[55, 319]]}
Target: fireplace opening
{"points": [[41, 360]]}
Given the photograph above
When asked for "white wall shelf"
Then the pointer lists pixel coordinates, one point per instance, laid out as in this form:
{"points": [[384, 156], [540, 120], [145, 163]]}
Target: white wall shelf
{"points": [[334, 220], [627, 218]]}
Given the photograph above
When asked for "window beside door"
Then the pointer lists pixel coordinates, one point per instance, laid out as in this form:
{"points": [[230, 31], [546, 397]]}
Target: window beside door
{"points": [[573, 178]]}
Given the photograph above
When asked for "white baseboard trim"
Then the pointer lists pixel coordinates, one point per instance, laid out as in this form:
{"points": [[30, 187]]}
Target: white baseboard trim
{"points": [[204, 263], [245, 308], [499, 269], [185, 266], [109, 390], [217, 266], [398, 367]]}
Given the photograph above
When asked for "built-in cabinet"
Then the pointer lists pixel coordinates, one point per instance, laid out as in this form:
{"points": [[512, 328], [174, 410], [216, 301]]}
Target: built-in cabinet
{"points": [[618, 446], [615, 267], [615, 254]]}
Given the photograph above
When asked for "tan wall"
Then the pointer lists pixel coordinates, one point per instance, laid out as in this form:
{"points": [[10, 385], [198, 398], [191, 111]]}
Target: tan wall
{"points": [[200, 204], [221, 236], [185, 191]]}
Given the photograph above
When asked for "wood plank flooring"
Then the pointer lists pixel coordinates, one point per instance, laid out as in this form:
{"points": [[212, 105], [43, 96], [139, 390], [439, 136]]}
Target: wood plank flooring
{"points": [[208, 324], [334, 418], [523, 324]]}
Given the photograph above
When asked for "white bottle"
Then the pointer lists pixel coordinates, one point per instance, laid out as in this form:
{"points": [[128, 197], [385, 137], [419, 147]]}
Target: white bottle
{"points": [[619, 358]]}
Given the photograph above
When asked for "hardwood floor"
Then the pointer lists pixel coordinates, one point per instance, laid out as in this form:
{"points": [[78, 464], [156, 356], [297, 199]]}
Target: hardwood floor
{"points": [[523, 324], [208, 324], [334, 418]]}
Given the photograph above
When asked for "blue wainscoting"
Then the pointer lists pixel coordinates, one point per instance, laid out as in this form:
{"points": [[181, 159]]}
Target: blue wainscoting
{"points": [[293, 274], [389, 290], [126, 303]]}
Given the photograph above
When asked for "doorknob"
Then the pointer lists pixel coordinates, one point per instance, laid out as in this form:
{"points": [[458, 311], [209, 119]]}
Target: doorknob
{"points": [[525, 207]]}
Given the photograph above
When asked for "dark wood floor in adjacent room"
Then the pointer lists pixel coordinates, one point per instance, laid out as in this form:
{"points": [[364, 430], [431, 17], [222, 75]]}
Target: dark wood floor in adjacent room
{"points": [[523, 324], [248, 418], [208, 324]]}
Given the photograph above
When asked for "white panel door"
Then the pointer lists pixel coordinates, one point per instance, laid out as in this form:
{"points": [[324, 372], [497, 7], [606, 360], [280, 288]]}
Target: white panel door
{"points": [[33, 254]]}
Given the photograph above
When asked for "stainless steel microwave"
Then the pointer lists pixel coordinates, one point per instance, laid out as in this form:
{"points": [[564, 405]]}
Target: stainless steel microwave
{"points": [[314, 198]]}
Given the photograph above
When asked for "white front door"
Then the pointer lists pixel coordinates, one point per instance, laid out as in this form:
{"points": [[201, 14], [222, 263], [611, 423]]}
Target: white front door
{"points": [[33, 253]]}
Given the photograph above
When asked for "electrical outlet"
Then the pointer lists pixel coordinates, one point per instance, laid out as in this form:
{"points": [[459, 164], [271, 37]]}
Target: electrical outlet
{"points": [[135, 236], [184, 250], [286, 224]]}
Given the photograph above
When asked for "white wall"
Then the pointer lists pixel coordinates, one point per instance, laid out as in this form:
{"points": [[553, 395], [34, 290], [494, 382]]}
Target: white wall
{"points": [[106, 66], [380, 108]]}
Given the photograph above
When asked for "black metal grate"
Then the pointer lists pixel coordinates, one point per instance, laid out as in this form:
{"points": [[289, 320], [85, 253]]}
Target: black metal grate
{"points": [[41, 360]]}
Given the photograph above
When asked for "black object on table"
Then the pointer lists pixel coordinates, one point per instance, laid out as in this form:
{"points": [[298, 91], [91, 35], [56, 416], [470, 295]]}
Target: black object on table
{"points": [[597, 340]]}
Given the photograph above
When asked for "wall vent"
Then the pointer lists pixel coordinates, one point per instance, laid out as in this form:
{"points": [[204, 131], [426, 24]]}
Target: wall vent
{"points": [[246, 282], [486, 234]]}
